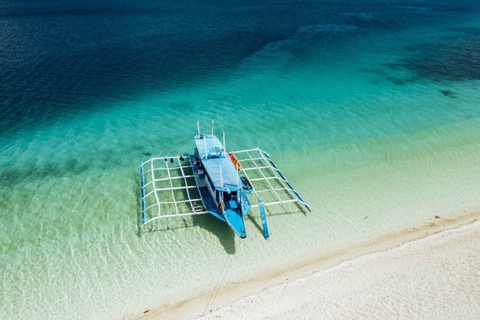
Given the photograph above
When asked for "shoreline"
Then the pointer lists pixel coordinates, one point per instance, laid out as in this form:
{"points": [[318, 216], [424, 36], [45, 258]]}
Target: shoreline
{"points": [[230, 293]]}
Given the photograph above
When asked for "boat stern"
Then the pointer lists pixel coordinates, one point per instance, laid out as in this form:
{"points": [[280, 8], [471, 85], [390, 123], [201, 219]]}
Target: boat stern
{"points": [[236, 222]]}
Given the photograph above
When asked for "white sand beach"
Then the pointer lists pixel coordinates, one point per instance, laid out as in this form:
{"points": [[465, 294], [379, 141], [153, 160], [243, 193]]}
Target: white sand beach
{"points": [[434, 277]]}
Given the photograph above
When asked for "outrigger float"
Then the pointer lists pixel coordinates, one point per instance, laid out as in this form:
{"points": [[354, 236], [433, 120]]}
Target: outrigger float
{"points": [[214, 181]]}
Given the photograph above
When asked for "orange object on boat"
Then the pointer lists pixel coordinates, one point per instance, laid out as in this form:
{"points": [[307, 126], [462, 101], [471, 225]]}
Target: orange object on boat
{"points": [[235, 161], [221, 206]]}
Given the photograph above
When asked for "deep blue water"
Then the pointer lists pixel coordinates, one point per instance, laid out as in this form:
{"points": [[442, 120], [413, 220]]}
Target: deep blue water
{"points": [[57, 57]]}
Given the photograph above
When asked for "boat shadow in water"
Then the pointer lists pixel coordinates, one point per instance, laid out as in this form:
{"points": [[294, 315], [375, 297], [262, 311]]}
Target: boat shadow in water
{"points": [[256, 222], [218, 228]]}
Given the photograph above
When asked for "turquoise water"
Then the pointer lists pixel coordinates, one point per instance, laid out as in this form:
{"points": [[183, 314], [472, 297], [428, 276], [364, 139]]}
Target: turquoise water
{"points": [[372, 112]]}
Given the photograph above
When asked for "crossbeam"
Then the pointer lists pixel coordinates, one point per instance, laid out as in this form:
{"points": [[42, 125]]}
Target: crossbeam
{"points": [[267, 179], [169, 190]]}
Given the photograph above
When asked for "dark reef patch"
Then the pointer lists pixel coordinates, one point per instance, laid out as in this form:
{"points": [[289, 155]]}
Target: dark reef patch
{"points": [[448, 93], [448, 59], [399, 81]]}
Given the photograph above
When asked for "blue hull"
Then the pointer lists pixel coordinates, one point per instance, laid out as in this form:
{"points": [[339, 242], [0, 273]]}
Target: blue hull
{"points": [[232, 216]]}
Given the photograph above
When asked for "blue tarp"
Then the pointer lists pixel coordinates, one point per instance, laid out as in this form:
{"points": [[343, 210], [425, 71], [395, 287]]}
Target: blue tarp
{"points": [[217, 163]]}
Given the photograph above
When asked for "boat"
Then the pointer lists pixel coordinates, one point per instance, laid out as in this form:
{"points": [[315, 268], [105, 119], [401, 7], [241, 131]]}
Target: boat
{"points": [[219, 183], [214, 181]]}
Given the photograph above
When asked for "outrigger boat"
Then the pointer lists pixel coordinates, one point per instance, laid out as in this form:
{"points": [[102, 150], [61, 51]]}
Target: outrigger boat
{"points": [[214, 181]]}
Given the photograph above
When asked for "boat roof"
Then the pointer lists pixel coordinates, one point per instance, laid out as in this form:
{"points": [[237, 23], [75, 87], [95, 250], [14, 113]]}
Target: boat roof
{"points": [[217, 163]]}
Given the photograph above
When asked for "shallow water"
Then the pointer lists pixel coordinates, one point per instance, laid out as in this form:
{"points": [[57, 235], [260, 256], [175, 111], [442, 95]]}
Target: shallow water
{"points": [[374, 139]]}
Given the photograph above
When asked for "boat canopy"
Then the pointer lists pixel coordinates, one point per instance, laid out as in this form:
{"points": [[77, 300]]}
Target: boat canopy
{"points": [[217, 163]]}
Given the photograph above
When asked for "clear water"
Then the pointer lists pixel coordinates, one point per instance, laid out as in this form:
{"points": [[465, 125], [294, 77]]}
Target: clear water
{"points": [[371, 109]]}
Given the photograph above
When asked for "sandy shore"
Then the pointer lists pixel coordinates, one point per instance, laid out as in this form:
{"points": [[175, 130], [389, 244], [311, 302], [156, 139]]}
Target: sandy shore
{"points": [[437, 277], [433, 277]]}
